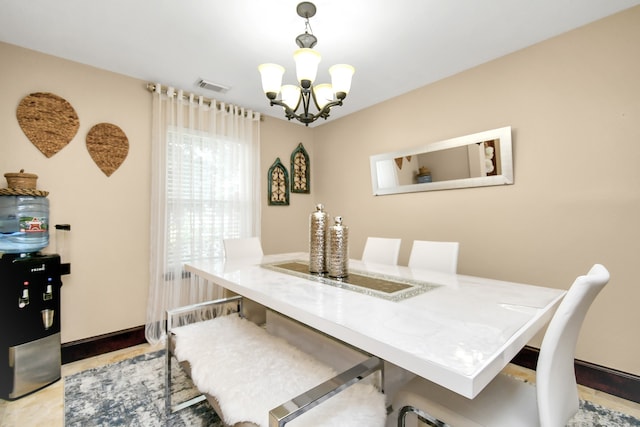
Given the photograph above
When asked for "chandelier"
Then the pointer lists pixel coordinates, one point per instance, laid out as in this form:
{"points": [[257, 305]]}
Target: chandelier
{"points": [[325, 96]]}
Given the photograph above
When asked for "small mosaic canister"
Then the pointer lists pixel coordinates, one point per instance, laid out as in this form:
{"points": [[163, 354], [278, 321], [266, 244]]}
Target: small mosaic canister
{"points": [[318, 224], [338, 249]]}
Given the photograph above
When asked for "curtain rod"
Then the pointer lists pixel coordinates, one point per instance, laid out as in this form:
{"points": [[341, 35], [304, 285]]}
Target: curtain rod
{"points": [[151, 87]]}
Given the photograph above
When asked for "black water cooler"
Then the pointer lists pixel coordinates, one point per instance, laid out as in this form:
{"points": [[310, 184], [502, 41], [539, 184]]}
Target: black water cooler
{"points": [[29, 322]]}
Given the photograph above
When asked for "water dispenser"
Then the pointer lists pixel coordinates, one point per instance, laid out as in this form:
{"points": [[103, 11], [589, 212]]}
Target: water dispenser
{"points": [[29, 290], [30, 323]]}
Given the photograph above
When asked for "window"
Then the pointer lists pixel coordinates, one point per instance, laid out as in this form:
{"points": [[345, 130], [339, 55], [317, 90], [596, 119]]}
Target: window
{"points": [[205, 187], [204, 184]]}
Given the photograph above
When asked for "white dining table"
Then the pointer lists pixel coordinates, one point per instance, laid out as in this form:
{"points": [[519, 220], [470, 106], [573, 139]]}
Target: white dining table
{"points": [[455, 330]]}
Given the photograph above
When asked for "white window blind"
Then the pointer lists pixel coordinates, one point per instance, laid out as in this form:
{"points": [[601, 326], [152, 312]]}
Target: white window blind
{"points": [[203, 191]]}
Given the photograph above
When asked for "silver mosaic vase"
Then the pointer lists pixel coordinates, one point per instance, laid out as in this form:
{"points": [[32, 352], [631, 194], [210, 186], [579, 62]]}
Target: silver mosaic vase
{"points": [[318, 223], [338, 249]]}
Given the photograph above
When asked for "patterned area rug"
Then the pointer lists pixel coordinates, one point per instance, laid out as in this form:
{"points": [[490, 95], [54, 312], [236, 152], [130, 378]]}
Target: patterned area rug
{"points": [[592, 415], [131, 393]]}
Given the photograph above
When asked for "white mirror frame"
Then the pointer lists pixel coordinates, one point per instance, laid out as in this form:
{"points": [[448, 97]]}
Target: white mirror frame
{"points": [[506, 164]]}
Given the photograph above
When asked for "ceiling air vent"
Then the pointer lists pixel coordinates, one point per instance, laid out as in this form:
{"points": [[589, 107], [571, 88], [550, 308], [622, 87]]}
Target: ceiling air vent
{"points": [[211, 86]]}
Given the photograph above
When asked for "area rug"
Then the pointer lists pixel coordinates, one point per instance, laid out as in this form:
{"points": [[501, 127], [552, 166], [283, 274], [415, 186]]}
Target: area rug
{"points": [[592, 415], [131, 393]]}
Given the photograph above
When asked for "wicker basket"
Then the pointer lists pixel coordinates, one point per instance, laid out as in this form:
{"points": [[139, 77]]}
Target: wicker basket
{"points": [[21, 180]]}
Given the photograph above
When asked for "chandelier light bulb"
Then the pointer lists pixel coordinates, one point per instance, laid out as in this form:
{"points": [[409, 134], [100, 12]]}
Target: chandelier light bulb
{"points": [[307, 61], [291, 96], [271, 79], [341, 75], [323, 94]]}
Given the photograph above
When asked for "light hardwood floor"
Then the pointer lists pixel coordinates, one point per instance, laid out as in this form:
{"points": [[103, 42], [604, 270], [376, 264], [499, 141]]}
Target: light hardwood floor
{"points": [[45, 408]]}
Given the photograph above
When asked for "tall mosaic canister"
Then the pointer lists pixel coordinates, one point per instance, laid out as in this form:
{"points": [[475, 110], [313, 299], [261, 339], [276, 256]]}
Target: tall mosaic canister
{"points": [[338, 249], [318, 223]]}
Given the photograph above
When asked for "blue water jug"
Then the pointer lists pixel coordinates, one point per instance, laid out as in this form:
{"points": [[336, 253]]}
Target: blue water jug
{"points": [[24, 224]]}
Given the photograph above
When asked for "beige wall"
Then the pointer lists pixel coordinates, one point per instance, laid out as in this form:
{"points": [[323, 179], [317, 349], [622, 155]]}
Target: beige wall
{"points": [[572, 102], [109, 237], [282, 225], [574, 105]]}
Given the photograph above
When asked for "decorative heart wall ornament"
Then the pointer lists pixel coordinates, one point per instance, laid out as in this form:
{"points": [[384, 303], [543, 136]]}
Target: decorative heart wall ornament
{"points": [[108, 146], [48, 120]]}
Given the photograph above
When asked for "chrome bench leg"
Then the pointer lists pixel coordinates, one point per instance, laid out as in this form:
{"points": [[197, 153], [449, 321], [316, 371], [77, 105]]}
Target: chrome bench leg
{"points": [[167, 381], [286, 412], [422, 416]]}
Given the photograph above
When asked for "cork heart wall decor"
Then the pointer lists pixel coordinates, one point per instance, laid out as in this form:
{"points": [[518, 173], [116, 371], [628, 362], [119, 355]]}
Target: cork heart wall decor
{"points": [[48, 120], [108, 146]]}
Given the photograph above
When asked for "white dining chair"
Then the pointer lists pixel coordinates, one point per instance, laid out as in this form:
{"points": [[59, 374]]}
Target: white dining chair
{"points": [[249, 247], [381, 250], [510, 402], [438, 256]]}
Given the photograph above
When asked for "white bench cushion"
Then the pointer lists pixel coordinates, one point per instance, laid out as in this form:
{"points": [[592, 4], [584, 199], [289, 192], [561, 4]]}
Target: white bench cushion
{"points": [[250, 372]]}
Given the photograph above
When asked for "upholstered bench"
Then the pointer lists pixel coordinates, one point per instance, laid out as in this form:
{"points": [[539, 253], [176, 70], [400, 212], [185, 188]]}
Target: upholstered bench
{"points": [[253, 378]]}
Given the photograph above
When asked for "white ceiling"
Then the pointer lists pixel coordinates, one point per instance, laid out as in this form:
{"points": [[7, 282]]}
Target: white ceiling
{"points": [[396, 46]]}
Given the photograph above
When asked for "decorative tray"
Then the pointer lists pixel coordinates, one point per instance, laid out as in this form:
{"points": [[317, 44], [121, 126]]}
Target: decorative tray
{"points": [[378, 285]]}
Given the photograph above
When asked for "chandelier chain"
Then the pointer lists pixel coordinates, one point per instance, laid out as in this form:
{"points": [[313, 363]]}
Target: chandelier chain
{"points": [[307, 27]]}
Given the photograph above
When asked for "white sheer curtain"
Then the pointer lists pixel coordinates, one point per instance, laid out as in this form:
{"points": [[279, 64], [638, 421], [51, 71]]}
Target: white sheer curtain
{"points": [[205, 187]]}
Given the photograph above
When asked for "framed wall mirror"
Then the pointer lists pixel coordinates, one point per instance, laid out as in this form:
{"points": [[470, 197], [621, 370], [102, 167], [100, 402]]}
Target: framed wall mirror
{"points": [[477, 160]]}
